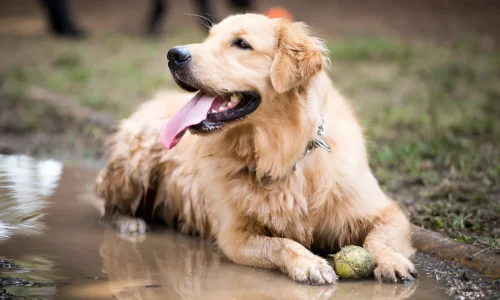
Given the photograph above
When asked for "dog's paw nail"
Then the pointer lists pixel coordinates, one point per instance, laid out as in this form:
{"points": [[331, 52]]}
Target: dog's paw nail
{"points": [[330, 277], [314, 271], [322, 273]]}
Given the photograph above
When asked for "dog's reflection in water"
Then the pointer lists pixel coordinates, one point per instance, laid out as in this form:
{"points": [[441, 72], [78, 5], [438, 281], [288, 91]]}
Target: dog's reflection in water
{"points": [[168, 265]]}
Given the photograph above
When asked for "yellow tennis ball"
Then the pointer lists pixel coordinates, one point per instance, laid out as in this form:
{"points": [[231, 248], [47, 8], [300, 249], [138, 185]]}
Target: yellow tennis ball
{"points": [[353, 262]]}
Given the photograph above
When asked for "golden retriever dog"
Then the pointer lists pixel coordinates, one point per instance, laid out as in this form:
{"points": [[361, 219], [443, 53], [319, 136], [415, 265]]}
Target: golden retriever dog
{"points": [[267, 159]]}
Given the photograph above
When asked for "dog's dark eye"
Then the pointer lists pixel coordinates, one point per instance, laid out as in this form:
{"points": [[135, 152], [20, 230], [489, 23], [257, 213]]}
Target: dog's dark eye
{"points": [[240, 43]]}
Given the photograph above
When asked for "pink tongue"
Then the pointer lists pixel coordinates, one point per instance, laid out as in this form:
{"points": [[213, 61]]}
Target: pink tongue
{"points": [[192, 113]]}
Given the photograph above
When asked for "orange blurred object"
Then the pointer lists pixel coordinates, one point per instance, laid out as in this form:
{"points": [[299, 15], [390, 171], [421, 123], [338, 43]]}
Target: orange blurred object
{"points": [[279, 12]]}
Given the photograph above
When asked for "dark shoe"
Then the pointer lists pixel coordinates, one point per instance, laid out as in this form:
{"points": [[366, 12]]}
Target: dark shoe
{"points": [[242, 5], [73, 33]]}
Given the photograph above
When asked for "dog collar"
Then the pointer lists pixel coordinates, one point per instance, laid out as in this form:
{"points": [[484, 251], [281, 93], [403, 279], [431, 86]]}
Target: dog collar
{"points": [[318, 142]]}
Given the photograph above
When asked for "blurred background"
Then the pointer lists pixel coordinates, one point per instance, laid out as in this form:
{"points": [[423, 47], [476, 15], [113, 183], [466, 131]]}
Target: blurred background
{"points": [[424, 76]]}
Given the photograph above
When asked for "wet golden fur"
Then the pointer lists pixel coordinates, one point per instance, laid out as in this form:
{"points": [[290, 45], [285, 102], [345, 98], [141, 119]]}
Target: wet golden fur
{"points": [[249, 186]]}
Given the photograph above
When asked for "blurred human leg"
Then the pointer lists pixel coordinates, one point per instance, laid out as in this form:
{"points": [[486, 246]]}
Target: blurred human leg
{"points": [[60, 19], [242, 5], [158, 11]]}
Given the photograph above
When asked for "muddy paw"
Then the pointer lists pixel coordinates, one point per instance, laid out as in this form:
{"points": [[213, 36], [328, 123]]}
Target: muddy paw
{"points": [[314, 270], [131, 225], [395, 267]]}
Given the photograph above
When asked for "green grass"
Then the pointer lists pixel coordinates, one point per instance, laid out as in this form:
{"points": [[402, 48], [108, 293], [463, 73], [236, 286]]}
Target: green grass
{"points": [[371, 48], [431, 112], [109, 72]]}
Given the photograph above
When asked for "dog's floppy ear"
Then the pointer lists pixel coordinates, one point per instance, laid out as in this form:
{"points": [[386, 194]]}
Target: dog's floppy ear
{"points": [[298, 56]]}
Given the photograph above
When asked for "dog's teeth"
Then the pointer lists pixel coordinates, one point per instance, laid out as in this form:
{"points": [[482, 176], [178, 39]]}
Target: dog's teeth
{"points": [[234, 98]]}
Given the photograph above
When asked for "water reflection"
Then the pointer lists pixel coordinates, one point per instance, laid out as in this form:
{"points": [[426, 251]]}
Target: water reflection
{"points": [[171, 266], [94, 263], [25, 185]]}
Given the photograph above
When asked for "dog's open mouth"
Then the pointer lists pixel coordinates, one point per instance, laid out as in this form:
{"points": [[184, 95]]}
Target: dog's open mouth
{"points": [[205, 113]]}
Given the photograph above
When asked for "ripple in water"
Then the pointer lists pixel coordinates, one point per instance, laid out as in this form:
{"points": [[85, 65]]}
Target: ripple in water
{"points": [[25, 185]]}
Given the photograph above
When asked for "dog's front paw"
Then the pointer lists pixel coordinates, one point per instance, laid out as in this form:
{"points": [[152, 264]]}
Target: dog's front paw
{"points": [[313, 270], [130, 225], [394, 266]]}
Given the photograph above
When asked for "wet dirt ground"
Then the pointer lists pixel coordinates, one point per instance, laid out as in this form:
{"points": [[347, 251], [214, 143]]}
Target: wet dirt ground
{"points": [[58, 249]]}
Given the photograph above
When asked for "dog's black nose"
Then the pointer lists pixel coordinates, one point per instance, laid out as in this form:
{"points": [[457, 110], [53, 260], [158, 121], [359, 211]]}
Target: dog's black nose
{"points": [[178, 55]]}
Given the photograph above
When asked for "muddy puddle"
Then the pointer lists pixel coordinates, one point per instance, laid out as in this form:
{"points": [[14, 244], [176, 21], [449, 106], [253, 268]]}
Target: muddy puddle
{"points": [[59, 250]]}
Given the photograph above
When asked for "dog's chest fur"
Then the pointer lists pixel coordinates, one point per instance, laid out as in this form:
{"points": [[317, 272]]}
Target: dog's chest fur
{"points": [[279, 207]]}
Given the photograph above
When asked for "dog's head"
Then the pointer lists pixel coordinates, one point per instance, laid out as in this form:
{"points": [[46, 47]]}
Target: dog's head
{"points": [[243, 64]]}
